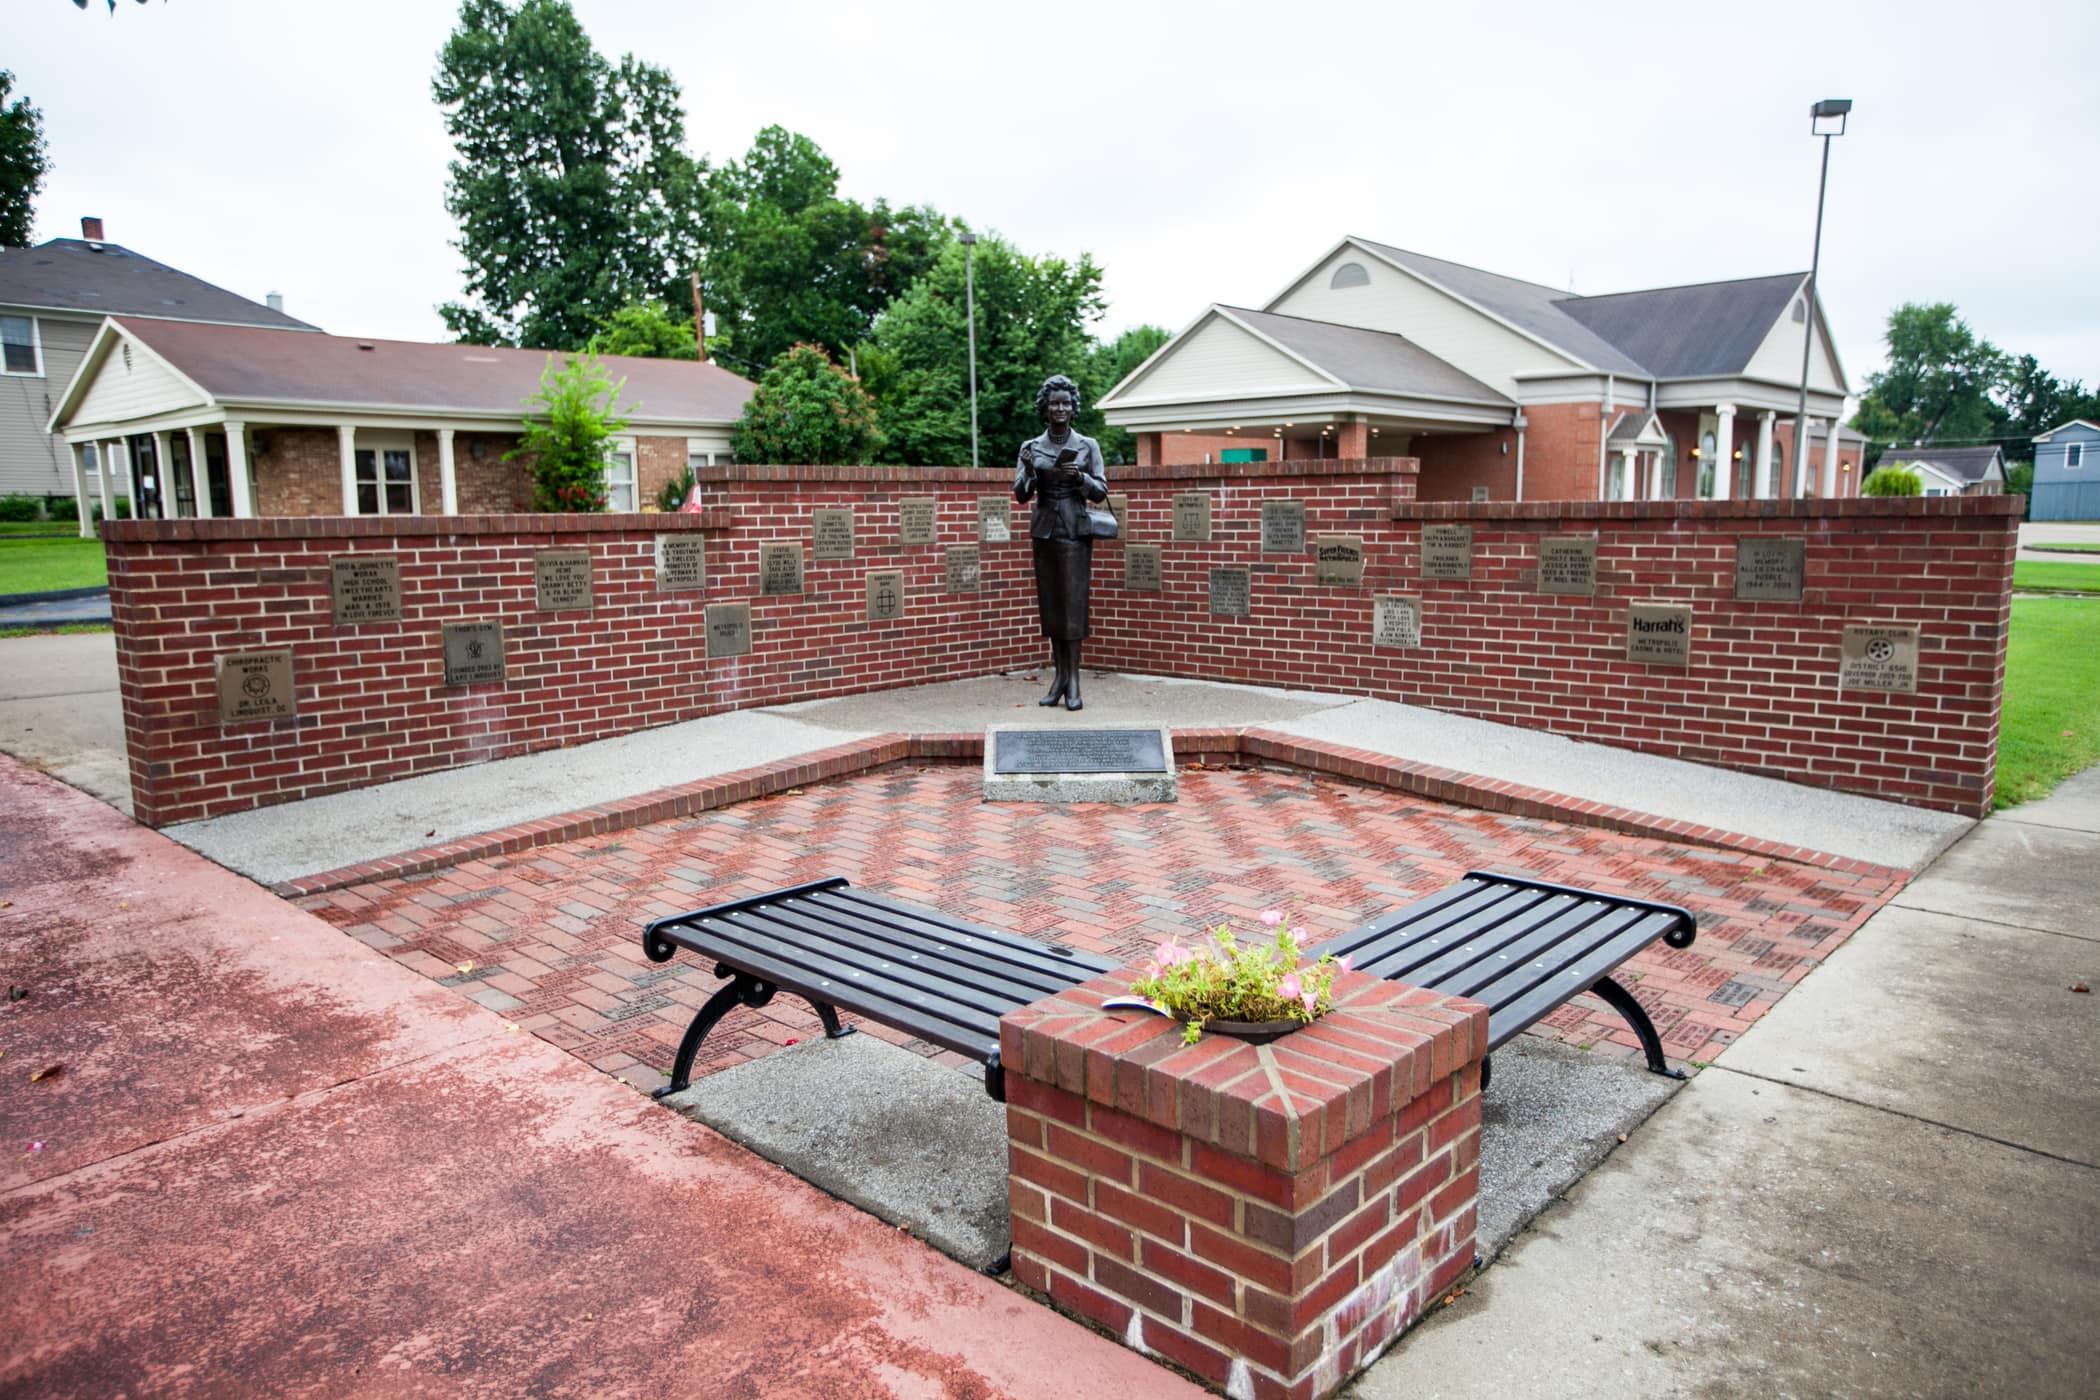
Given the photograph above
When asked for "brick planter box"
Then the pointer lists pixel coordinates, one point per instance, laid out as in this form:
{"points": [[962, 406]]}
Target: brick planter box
{"points": [[1269, 1217]]}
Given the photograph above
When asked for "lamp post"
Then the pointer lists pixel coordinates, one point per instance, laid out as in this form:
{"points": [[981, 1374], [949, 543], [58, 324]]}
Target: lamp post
{"points": [[969, 242], [1826, 119]]}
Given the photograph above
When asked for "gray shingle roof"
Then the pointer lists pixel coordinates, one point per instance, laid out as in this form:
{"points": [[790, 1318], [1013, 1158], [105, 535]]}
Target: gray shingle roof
{"points": [[1965, 464], [1365, 359], [67, 274], [1687, 332]]}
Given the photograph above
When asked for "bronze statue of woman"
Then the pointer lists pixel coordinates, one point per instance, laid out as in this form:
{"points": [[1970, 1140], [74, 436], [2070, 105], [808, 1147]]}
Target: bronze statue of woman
{"points": [[1061, 471]]}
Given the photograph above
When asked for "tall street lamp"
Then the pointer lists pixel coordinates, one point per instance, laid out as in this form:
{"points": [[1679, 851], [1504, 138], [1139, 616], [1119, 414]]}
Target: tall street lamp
{"points": [[1826, 119], [969, 242]]}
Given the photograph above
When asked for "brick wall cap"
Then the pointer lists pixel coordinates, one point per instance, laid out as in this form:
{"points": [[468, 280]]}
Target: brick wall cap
{"points": [[323, 527], [1910, 507]]}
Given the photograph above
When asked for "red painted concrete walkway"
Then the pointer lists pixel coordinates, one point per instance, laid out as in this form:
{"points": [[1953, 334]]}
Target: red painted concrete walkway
{"points": [[272, 1161]]}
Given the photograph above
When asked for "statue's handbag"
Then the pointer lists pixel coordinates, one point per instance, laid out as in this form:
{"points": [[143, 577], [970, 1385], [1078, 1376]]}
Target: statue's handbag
{"points": [[1101, 522]]}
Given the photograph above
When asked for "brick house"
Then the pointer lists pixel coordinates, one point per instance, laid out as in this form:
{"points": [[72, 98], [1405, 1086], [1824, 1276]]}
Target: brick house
{"points": [[243, 421], [53, 297], [1504, 389]]}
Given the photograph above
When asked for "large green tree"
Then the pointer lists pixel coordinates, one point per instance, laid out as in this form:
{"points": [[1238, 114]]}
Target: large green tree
{"points": [[1032, 320], [574, 192], [806, 411], [1939, 381], [647, 329], [23, 165]]}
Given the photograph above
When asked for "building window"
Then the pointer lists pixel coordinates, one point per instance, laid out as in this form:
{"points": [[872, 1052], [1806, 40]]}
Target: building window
{"points": [[1349, 274], [619, 476], [2074, 456], [386, 481], [18, 345]]}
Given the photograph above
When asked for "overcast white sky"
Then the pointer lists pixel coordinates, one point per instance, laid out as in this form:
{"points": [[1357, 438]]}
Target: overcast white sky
{"points": [[1201, 152]]}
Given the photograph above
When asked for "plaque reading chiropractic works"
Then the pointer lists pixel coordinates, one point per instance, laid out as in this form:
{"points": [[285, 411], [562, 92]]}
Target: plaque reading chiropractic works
{"points": [[915, 520], [681, 563], [1338, 561], [995, 519], [728, 629], [960, 569], [1770, 570], [1878, 658], [1229, 589], [1568, 564], [1141, 568], [779, 569], [561, 580], [831, 530], [1447, 551], [1283, 527], [474, 653], [256, 685], [1396, 621], [885, 595], [1192, 517], [364, 588], [1659, 634]]}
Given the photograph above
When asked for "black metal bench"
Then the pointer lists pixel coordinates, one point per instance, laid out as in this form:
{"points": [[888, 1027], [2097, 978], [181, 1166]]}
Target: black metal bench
{"points": [[941, 979], [1521, 947]]}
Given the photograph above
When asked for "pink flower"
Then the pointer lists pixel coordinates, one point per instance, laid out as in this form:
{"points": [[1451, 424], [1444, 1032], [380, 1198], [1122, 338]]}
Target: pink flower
{"points": [[1309, 998], [1290, 988], [1272, 917], [1170, 954], [1345, 962]]}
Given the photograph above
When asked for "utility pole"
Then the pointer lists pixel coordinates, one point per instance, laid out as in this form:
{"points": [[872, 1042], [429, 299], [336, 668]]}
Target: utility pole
{"points": [[699, 320], [969, 242], [1830, 109]]}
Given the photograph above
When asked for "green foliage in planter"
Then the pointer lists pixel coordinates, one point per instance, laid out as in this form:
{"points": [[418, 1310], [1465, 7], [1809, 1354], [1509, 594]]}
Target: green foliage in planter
{"points": [[569, 427], [1226, 980]]}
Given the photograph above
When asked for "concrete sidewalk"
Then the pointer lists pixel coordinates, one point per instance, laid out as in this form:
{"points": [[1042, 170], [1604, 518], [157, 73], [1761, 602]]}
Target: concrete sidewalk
{"points": [[1889, 1186]]}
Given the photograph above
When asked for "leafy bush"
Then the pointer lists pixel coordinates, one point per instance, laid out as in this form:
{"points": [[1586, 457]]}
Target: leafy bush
{"points": [[1228, 981], [1893, 480], [675, 492], [806, 411], [18, 509], [569, 427]]}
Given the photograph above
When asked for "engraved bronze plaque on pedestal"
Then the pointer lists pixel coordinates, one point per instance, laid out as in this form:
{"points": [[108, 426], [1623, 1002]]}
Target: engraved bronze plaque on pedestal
{"points": [[779, 569], [885, 595], [1568, 565], [831, 532], [681, 563], [728, 629], [1770, 570], [1659, 634], [474, 653], [1192, 517], [1141, 568], [1396, 621], [1338, 561], [1447, 552], [1229, 592], [1878, 658], [561, 580], [961, 570], [995, 519], [1283, 527], [256, 685], [364, 588], [916, 520]]}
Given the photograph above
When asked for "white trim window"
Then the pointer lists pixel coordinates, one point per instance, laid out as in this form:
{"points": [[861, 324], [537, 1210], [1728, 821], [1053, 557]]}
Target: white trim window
{"points": [[21, 348], [619, 477], [2074, 456], [386, 477]]}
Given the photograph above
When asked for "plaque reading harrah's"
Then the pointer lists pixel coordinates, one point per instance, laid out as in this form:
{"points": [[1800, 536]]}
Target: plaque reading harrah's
{"points": [[1396, 621], [1192, 517], [831, 532], [364, 588], [1119, 507], [728, 629], [561, 580], [1447, 551], [1659, 634], [1878, 658], [681, 563], [885, 595], [779, 569], [1770, 570], [1141, 568], [474, 653], [915, 520], [961, 570], [995, 519], [1568, 564], [1338, 561], [1229, 589], [1283, 527], [256, 685]]}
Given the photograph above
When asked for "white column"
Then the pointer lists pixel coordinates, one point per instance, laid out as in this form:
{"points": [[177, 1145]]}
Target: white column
{"points": [[200, 479], [131, 475], [1724, 451], [80, 494], [1630, 473], [1830, 457], [346, 441], [448, 479], [1655, 477], [103, 466], [1764, 455], [163, 468], [237, 471]]}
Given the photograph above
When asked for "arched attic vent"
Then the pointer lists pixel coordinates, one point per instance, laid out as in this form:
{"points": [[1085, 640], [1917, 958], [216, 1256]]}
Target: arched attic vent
{"points": [[1349, 274]]}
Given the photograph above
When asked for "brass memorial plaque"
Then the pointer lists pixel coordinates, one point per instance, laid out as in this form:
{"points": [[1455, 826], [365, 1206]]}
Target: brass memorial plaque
{"points": [[779, 569], [474, 653], [1141, 568], [364, 588], [562, 580], [1659, 634], [256, 685], [1192, 517], [681, 563], [995, 519], [1568, 564], [728, 629], [831, 532], [1770, 570], [1447, 551], [1339, 561], [1229, 592], [885, 595], [1396, 621], [961, 569], [1283, 527], [916, 520], [1878, 658], [1119, 507]]}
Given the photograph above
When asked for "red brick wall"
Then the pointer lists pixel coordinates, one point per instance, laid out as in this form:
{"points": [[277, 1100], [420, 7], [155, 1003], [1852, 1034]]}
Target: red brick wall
{"points": [[658, 460], [300, 472]]}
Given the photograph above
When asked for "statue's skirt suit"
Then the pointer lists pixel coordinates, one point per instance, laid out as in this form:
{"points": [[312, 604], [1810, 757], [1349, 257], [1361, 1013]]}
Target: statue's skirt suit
{"points": [[1057, 528]]}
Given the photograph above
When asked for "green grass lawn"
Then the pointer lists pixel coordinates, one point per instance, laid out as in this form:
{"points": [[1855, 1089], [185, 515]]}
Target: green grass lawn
{"points": [[68, 526], [41, 566], [2068, 577], [2050, 727], [2057, 547]]}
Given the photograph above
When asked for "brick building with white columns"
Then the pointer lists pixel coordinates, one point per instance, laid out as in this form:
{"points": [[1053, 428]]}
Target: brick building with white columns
{"points": [[1504, 389]]}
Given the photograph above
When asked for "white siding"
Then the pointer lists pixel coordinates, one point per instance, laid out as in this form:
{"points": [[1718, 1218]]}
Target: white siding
{"points": [[121, 392], [1779, 357], [30, 460], [1218, 358], [1441, 324]]}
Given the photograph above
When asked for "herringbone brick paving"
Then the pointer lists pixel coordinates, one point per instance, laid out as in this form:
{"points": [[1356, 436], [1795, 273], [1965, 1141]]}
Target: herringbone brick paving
{"points": [[551, 938]]}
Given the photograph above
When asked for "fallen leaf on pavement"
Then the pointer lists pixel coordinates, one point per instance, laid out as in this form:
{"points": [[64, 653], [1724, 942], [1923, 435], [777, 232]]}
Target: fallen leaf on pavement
{"points": [[2080, 987], [465, 966], [47, 1072]]}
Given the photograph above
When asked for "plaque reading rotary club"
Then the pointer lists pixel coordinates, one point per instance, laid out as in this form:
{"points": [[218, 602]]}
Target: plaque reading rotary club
{"points": [[1878, 658], [779, 569], [1192, 517], [1447, 552], [1568, 564], [364, 588], [1283, 527], [562, 580], [681, 563], [1141, 568], [915, 520], [885, 595], [256, 685], [831, 530]]}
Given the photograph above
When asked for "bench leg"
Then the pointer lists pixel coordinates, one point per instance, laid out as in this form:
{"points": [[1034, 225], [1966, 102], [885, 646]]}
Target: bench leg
{"points": [[742, 990], [828, 1014], [1622, 1001]]}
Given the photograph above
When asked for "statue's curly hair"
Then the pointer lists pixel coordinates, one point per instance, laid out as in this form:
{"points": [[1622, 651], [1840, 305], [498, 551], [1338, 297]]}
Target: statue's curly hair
{"points": [[1054, 384]]}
